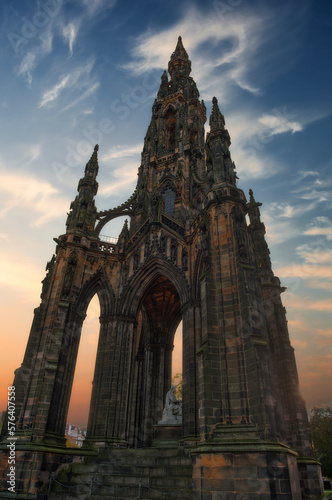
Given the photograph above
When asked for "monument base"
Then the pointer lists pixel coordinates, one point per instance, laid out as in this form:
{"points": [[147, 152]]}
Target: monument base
{"points": [[166, 435], [237, 464]]}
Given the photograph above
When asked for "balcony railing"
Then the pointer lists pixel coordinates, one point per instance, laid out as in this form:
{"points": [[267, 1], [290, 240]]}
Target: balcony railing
{"points": [[108, 239]]}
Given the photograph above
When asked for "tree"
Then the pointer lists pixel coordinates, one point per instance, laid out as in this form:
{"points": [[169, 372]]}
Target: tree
{"points": [[70, 443], [321, 434], [177, 380]]}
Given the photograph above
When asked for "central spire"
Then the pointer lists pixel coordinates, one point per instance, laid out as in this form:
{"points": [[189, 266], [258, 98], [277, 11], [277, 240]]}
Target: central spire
{"points": [[179, 62]]}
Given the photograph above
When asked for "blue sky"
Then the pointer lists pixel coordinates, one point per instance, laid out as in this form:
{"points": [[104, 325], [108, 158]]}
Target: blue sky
{"points": [[77, 73]]}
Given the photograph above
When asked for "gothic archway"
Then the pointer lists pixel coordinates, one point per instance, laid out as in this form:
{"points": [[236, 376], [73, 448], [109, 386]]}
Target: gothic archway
{"points": [[159, 314], [158, 298], [65, 369]]}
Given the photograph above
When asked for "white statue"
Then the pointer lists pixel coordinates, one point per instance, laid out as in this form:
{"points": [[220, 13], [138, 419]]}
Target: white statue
{"points": [[172, 413]]}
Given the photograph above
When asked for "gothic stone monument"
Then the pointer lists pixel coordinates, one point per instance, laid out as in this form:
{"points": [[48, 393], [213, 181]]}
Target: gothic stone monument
{"points": [[188, 254]]}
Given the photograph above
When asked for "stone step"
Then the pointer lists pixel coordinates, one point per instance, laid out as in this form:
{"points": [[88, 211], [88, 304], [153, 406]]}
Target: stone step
{"points": [[159, 471], [138, 469], [175, 467], [126, 491], [129, 480], [125, 495]]}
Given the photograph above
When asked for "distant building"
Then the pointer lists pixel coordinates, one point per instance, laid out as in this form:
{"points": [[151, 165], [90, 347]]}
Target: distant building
{"points": [[76, 434]]}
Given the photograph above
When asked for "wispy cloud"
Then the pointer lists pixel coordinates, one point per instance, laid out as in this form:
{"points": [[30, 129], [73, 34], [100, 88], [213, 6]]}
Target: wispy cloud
{"points": [[21, 276], [39, 197], [280, 124], [314, 265], [69, 32], [54, 92], [321, 305], [252, 132], [87, 93], [122, 152], [95, 6], [299, 344], [290, 211], [27, 66], [277, 232], [308, 173], [35, 55], [79, 76], [326, 332], [315, 194], [321, 284], [41, 43], [316, 231], [304, 271], [248, 152], [125, 178], [320, 252], [33, 152], [237, 41]]}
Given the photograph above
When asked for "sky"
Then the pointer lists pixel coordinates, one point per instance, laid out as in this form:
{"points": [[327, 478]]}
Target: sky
{"points": [[79, 72]]}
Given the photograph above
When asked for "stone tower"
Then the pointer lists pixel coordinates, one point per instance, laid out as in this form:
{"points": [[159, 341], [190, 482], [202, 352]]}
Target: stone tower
{"points": [[194, 251]]}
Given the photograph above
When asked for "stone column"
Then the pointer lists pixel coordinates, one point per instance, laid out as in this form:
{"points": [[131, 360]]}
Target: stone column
{"points": [[191, 330]]}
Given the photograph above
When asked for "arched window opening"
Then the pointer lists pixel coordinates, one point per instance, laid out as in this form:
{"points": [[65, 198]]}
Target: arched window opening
{"points": [[170, 129], [77, 417], [171, 135], [169, 200], [177, 361], [158, 315], [111, 231]]}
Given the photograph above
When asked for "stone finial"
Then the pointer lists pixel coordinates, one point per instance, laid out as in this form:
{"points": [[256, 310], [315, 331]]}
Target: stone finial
{"points": [[91, 168], [252, 200], [217, 120], [179, 60], [253, 209]]}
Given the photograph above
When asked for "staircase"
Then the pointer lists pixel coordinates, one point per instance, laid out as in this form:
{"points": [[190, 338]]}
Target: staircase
{"points": [[127, 474]]}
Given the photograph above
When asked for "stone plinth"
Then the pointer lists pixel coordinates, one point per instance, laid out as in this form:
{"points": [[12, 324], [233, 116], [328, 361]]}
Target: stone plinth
{"points": [[164, 435], [250, 475]]}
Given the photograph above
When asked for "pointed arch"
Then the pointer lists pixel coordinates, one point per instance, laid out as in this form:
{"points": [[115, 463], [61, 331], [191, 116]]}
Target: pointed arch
{"points": [[169, 117], [149, 272], [73, 321], [168, 193], [100, 285], [155, 297], [170, 109], [110, 215], [167, 182]]}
